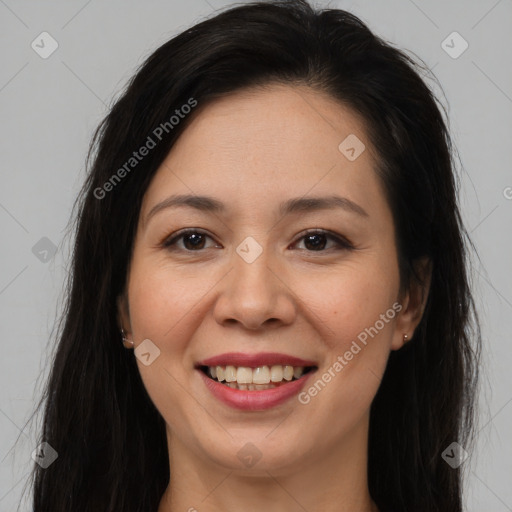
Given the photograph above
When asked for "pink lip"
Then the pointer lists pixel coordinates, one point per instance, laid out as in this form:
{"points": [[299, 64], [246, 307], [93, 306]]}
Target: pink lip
{"points": [[255, 400], [254, 360]]}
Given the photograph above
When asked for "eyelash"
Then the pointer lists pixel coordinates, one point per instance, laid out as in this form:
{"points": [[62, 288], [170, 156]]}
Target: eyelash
{"points": [[341, 242]]}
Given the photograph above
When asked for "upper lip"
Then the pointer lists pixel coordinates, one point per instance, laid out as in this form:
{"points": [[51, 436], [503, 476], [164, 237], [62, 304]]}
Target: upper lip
{"points": [[255, 360]]}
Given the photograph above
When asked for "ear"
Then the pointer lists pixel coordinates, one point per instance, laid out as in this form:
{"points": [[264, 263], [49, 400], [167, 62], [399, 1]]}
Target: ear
{"points": [[123, 313], [413, 303]]}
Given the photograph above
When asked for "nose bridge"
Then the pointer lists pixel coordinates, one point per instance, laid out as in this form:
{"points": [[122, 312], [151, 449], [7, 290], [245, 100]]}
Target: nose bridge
{"points": [[253, 293], [252, 280]]}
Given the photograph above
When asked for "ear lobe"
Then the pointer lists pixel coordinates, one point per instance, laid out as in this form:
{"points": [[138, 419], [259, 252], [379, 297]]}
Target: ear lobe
{"points": [[413, 304]]}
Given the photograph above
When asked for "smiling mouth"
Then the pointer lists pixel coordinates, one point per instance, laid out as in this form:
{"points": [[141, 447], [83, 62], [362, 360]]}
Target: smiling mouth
{"points": [[255, 379]]}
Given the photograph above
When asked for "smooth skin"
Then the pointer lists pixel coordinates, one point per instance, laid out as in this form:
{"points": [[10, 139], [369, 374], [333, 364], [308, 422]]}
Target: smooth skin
{"points": [[303, 296]]}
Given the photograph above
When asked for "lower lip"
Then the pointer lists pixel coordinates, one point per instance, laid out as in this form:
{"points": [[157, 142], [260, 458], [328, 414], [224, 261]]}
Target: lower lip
{"points": [[255, 400]]}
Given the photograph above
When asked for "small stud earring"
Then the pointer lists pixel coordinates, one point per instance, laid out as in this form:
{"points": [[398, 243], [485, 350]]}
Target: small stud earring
{"points": [[126, 342], [405, 337]]}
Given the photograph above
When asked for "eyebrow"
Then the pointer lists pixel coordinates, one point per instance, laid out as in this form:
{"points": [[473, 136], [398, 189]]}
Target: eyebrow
{"points": [[297, 204]]}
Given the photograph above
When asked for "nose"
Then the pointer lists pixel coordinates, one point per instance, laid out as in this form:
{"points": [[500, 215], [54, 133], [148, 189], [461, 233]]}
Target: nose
{"points": [[255, 295]]}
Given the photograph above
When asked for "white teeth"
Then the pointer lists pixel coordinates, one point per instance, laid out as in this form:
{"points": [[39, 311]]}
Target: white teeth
{"points": [[288, 372], [261, 375], [230, 374], [276, 373], [244, 377]]}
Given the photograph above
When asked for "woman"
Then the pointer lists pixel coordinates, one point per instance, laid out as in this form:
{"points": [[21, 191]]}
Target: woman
{"points": [[270, 229]]}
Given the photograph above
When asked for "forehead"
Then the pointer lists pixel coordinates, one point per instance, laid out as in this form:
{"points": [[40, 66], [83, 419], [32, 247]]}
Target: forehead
{"points": [[273, 123], [259, 145]]}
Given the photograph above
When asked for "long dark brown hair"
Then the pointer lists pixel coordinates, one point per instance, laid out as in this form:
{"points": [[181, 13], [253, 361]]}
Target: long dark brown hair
{"points": [[110, 439]]}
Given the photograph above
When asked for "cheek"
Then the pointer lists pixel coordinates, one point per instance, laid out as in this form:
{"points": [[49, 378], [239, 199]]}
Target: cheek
{"points": [[165, 308], [347, 303], [164, 302], [356, 310]]}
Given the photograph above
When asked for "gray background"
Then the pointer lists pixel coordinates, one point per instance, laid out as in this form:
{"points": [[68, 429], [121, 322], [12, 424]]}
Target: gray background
{"points": [[49, 108]]}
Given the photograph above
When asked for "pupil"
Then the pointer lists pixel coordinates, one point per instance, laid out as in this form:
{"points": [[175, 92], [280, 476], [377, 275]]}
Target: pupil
{"points": [[315, 245], [196, 240]]}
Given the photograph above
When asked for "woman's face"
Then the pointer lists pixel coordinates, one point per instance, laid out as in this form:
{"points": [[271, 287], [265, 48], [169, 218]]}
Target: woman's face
{"points": [[249, 279]]}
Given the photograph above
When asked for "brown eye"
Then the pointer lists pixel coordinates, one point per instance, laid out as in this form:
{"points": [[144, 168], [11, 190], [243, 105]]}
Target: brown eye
{"points": [[193, 240], [317, 241]]}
